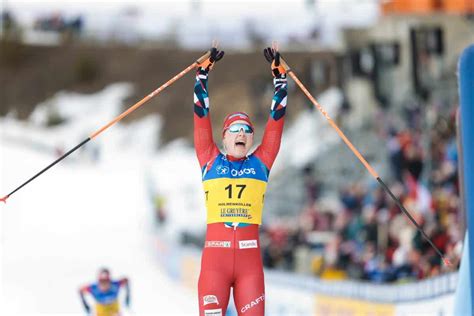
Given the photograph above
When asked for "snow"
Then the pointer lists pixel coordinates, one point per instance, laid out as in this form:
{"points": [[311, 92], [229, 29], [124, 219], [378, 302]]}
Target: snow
{"points": [[175, 174], [79, 216], [310, 133]]}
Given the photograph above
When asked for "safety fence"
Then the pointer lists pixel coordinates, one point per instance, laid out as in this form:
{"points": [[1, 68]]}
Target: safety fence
{"points": [[292, 294]]}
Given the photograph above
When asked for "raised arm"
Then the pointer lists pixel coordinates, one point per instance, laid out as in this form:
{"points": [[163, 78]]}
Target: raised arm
{"points": [[203, 140], [271, 140]]}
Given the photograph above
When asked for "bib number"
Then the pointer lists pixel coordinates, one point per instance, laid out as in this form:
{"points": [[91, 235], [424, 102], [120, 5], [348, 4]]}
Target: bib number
{"points": [[241, 188]]}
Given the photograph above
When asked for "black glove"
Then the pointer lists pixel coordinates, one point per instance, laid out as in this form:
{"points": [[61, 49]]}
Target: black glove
{"points": [[215, 56], [273, 57]]}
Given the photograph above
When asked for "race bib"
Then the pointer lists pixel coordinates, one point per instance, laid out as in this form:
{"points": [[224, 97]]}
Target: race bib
{"points": [[107, 309], [234, 200]]}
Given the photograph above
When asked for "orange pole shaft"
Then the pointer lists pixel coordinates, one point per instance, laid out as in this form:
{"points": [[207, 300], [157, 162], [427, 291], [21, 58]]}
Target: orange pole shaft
{"points": [[118, 118], [365, 163], [341, 134], [144, 100], [151, 95]]}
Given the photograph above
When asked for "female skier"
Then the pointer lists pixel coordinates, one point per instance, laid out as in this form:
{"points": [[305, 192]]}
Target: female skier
{"points": [[234, 186], [106, 294]]}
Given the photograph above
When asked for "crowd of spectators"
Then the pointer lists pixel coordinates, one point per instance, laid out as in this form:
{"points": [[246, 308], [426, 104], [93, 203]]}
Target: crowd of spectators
{"points": [[56, 22], [363, 234]]}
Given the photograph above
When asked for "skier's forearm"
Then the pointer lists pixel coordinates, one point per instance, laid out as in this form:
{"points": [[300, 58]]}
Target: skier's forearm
{"points": [[84, 302], [203, 139], [278, 107], [271, 140], [201, 96]]}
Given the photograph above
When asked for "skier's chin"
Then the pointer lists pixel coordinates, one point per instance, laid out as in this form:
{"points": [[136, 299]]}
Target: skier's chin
{"points": [[239, 151]]}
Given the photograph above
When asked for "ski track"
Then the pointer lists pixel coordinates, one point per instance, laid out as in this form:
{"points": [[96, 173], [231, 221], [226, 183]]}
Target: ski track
{"points": [[59, 229]]}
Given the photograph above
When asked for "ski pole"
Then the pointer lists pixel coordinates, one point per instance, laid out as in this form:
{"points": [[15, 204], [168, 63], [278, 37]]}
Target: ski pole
{"points": [[362, 159], [115, 120]]}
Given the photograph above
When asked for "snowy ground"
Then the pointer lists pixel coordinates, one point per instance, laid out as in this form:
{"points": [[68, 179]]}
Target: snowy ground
{"points": [[58, 230]]}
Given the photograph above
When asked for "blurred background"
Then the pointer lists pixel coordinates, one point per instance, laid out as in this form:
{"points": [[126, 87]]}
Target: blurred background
{"points": [[332, 241]]}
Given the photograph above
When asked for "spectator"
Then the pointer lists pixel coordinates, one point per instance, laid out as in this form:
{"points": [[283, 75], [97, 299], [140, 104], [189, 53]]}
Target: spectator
{"points": [[370, 238]]}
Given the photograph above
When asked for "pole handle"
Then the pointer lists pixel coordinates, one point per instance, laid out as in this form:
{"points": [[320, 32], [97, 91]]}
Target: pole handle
{"points": [[203, 57]]}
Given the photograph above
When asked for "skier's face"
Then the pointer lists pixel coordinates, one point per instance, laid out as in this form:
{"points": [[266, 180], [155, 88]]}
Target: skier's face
{"points": [[237, 139], [104, 285], [104, 280]]}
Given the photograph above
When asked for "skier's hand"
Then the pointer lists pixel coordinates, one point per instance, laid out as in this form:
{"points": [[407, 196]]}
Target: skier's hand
{"points": [[216, 55], [273, 56]]}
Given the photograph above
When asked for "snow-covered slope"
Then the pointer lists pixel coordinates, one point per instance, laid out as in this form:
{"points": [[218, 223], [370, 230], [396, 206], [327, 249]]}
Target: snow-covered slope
{"points": [[81, 215]]}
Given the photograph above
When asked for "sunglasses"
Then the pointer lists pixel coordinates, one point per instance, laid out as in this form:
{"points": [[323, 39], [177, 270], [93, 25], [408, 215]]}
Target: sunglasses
{"points": [[236, 128]]}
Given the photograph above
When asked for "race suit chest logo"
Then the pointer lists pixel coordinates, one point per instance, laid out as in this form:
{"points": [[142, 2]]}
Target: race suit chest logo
{"points": [[224, 170], [243, 171]]}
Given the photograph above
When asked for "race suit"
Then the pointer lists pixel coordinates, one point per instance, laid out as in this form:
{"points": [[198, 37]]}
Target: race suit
{"points": [[234, 192], [106, 301]]}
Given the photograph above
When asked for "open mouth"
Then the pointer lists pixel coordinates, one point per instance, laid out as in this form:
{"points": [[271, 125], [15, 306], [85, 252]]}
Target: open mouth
{"points": [[238, 144]]}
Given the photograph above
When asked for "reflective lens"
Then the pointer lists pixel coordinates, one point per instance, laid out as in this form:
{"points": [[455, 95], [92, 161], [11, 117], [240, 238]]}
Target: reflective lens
{"points": [[236, 128]]}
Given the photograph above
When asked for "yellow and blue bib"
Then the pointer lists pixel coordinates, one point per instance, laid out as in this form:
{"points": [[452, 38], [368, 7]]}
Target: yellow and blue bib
{"points": [[235, 190], [106, 302]]}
